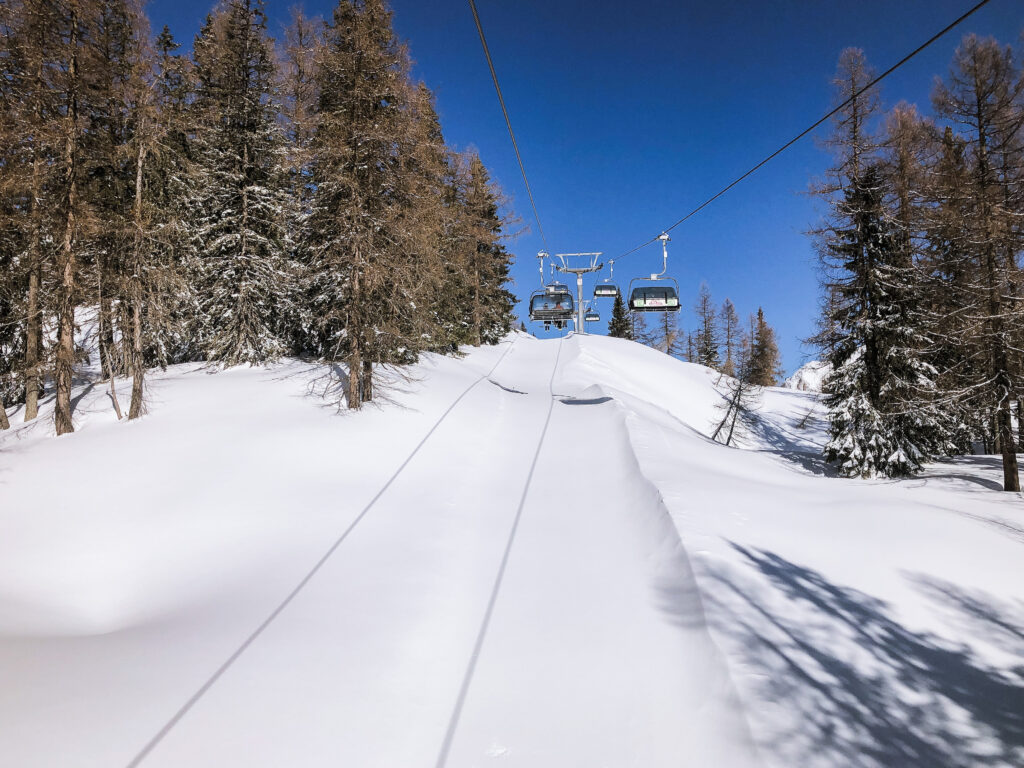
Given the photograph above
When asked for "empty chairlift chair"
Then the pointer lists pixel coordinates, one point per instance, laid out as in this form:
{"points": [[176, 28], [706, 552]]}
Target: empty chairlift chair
{"points": [[606, 289], [656, 293], [661, 295], [591, 316]]}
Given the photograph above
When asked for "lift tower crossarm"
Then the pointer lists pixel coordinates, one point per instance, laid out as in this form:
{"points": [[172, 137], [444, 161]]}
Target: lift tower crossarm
{"points": [[579, 272]]}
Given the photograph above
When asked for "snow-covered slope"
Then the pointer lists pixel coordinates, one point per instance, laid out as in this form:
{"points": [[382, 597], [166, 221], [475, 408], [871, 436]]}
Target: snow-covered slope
{"points": [[532, 556], [809, 377]]}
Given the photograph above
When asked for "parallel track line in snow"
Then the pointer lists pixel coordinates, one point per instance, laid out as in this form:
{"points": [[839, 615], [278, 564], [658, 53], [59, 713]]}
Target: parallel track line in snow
{"points": [[162, 733], [467, 679]]}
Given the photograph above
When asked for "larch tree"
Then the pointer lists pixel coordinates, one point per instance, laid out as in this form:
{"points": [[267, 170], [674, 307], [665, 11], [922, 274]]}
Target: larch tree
{"points": [[707, 336], [730, 327], [32, 132], [72, 84], [360, 281], [983, 97]]}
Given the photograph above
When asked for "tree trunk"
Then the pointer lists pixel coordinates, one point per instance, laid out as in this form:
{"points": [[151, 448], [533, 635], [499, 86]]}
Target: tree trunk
{"points": [[105, 362], [34, 340], [355, 360], [4, 423], [34, 331], [106, 331], [138, 370], [1011, 477], [366, 382], [1020, 425], [477, 315], [66, 262]]}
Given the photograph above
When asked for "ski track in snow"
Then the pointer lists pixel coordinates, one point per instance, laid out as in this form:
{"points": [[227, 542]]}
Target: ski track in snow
{"points": [[557, 570]]}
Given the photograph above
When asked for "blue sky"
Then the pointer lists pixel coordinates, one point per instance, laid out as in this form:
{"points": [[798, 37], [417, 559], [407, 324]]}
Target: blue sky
{"points": [[628, 115]]}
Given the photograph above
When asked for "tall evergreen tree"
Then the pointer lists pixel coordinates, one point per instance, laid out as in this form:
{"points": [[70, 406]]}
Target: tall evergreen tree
{"points": [[762, 361], [490, 313], [876, 424], [237, 190], [620, 326]]}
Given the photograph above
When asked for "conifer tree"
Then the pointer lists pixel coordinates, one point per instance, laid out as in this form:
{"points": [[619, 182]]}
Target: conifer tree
{"points": [[877, 425], [620, 326], [983, 95], [763, 363], [72, 82], [879, 386], [947, 268], [31, 132], [667, 335], [237, 191], [490, 313], [361, 282], [730, 325], [706, 341]]}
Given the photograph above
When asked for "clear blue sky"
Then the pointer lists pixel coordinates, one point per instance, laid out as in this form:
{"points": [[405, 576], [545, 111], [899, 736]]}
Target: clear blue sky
{"points": [[630, 114]]}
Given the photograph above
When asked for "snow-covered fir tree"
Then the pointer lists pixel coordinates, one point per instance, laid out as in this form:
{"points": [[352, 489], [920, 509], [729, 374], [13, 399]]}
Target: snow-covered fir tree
{"points": [[237, 195], [878, 422]]}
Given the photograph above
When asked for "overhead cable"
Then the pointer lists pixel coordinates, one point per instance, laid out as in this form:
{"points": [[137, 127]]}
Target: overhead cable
{"points": [[810, 128], [508, 123]]}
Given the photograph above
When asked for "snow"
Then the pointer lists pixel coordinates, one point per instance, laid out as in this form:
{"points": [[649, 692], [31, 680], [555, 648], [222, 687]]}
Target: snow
{"points": [[809, 377], [530, 556]]}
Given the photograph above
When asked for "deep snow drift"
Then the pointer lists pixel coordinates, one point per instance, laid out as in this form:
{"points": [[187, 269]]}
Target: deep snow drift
{"points": [[532, 556]]}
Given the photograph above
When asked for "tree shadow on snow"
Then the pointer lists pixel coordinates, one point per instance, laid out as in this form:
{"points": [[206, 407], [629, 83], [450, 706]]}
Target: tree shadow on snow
{"points": [[790, 445], [853, 685]]}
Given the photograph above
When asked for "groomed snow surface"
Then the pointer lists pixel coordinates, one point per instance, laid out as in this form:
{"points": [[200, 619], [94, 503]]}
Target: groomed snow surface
{"points": [[532, 556]]}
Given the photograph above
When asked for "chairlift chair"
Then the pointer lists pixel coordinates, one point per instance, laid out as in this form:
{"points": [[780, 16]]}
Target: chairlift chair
{"points": [[654, 295], [551, 307], [606, 288], [592, 316], [660, 294]]}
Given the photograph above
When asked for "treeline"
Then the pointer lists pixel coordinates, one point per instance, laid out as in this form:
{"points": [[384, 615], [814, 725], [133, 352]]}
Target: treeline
{"points": [[719, 340], [247, 201], [923, 298]]}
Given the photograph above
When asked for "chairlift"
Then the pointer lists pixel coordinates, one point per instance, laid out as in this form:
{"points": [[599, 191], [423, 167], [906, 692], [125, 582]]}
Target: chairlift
{"points": [[548, 307], [656, 293], [606, 288], [592, 316]]}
